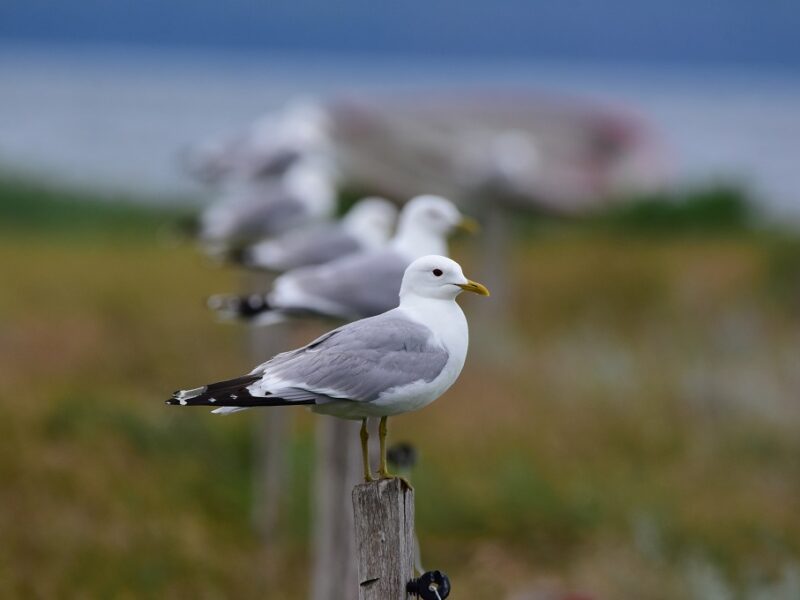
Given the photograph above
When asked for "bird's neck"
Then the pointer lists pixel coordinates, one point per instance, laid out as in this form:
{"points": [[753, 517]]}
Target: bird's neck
{"points": [[316, 190], [369, 236], [443, 316], [414, 242]]}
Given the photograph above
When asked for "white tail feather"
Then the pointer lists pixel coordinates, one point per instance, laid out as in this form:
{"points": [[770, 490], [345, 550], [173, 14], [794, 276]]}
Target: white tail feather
{"points": [[228, 410]]}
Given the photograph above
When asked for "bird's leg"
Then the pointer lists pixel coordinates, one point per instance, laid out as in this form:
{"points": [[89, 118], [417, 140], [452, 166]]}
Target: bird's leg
{"points": [[365, 450], [382, 430], [383, 471]]}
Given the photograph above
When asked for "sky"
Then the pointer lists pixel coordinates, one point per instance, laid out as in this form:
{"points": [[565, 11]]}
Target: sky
{"points": [[732, 32]]}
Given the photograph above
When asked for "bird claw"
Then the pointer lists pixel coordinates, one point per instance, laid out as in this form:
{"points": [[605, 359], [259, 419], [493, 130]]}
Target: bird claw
{"points": [[383, 475]]}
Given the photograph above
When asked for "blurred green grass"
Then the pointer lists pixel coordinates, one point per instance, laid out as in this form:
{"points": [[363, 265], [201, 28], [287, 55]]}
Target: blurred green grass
{"points": [[635, 436], [44, 207], [714, 208]]}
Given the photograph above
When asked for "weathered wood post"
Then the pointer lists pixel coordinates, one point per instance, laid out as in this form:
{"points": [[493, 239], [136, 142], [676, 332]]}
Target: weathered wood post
{"points": [[338, 470], [269, 484], [272, 426], [494, 265], [384, 526], [495, 254]]}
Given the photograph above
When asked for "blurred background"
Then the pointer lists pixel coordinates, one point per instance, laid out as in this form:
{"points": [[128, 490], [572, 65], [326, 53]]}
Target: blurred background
{"points": [[627, 424]]}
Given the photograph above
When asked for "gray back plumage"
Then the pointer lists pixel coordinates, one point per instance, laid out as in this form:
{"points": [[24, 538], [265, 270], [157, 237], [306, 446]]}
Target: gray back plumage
{"points": [[259, 218], [363, 285], [318, 246], [359, 361]]}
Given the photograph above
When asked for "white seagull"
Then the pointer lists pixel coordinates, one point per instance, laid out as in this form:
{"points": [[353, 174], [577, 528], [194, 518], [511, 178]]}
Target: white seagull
{"points": [[366, 226], [302, 128], [268, 147], [390, 364], [253, 210], [355, 286]]}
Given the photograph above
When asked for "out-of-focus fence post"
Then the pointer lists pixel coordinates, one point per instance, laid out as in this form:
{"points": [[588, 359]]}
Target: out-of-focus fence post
{"points": [[271, 430], [384, 527], [338, 470], [493, 263], [496, 253]]}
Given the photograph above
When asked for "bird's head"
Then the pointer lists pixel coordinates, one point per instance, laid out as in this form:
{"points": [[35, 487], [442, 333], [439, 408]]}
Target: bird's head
{"points": [[371, 219], [434, 215], [312, 181], [437, 277]]}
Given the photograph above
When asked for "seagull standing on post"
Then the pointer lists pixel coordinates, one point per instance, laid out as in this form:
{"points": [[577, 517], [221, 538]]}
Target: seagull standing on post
{"points": [[301, 128], [367, 226], [382, 366], [253, 210], [355, 286]]}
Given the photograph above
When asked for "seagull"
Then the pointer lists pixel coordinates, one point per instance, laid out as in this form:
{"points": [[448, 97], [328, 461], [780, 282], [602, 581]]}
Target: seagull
{"points": [[366, 226], [253, 210], [301, 128], [358, 285], [267, 147], [381, 366]]}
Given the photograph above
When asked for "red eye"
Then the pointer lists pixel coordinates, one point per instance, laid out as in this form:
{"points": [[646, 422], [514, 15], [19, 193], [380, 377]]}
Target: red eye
{"points": [[437, 272]]}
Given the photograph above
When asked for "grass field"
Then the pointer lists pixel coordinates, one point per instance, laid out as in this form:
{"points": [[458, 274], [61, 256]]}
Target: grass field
{"points": [[630, 430]]}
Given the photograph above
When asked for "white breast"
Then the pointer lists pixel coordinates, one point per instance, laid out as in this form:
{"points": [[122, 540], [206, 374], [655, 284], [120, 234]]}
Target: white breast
{"points": [[447, 321]]}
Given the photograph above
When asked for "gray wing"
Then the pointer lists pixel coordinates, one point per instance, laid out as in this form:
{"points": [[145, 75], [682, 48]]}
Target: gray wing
{"points": [[251, 213], [317, 247], [361, 285], [355, 362], [263, 218]]}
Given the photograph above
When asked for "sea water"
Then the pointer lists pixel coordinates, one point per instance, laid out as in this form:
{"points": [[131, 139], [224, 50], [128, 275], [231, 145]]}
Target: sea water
{"points": [[118, 118]]}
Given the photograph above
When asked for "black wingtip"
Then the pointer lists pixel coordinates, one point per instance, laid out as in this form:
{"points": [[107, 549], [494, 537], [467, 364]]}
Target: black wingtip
{"points": [[238, 307]]}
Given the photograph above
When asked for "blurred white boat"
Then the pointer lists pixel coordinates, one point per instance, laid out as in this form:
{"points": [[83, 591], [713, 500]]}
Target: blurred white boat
{"points": [[545, 153]]}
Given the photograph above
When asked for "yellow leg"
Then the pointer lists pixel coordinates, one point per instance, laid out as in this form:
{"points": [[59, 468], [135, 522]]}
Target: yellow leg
{"points": [[365, 450], [383, 471], [382, 430]]}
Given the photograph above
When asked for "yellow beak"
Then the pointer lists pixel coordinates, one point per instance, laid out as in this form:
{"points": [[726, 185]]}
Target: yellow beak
{"points": [[469, 225], [474, 286]]}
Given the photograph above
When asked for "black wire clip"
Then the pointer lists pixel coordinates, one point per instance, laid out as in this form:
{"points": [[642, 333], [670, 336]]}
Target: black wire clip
{"points": [[431, 585]]}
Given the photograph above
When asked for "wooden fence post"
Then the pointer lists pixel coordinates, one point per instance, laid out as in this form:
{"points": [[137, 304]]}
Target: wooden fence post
{"points": [[496, 253], [269, 477], [271, 428], [337, 471], [384, 525]]}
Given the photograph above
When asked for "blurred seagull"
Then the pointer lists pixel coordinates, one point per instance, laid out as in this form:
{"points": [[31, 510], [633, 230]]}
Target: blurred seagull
{"points": [[254, 210], [381, 366], [366, 226], [302, 128], [267, 148], [355, 286]]}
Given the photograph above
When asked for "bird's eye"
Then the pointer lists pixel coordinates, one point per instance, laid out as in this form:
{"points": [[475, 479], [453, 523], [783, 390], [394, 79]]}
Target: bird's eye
{"points": [[437, 272]]}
